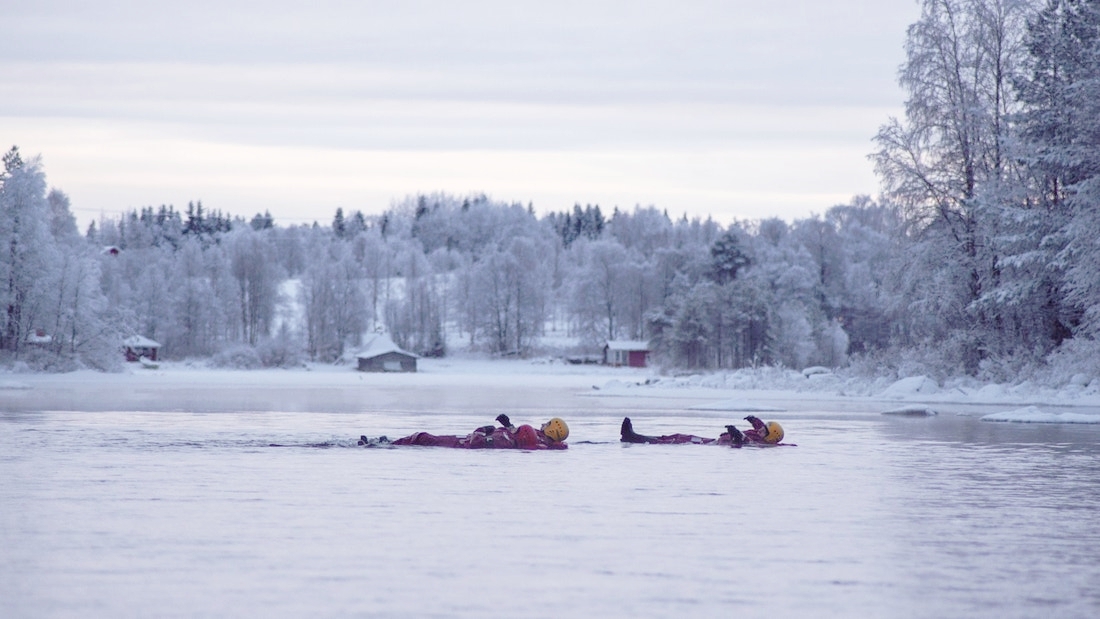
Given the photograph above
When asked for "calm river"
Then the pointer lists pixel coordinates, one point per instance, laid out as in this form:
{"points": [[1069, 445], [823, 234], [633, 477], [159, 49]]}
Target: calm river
{"points": [[182, 514]]}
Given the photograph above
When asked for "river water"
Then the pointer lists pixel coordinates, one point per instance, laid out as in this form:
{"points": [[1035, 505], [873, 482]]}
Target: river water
{"points": [[278, 513]]}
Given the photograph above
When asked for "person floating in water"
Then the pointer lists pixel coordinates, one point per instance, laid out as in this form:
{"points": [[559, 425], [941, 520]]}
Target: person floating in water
{"points": [[770, 433], [551, 435]]}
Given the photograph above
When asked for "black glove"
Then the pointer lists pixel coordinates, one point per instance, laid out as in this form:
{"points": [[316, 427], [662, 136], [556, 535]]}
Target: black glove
{"points": [[504, 421], [736, 438], [752, 419]]}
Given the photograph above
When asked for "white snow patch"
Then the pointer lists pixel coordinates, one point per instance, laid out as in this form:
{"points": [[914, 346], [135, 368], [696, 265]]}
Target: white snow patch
{"points": [[911, 386], [1080, 380], [379, 344], [815, 370], [1032, 414], [992, 392], [735, 405]]}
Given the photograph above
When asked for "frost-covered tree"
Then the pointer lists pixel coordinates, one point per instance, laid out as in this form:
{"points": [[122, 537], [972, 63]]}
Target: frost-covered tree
{"points": [[416, 319], [255, 270], [62, 222], [645, 230], [27, 250], [54, 313], [1082, 252], [598, 291], [502, 295], [1052, 266], [693, 326], [1053, 88], [639, 289], [192, 332], [468, 304], [493, 283], [870, 306], [85, 329], [948, 162], [333, 300], [531, 281], [960, 56]]}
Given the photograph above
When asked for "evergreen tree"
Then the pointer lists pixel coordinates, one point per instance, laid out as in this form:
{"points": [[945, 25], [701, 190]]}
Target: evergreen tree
{"points": [[339, 227], [727, 258]]}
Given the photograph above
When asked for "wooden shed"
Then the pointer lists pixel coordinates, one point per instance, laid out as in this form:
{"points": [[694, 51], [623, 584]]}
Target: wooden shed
{"points": [[137, 346], [630, 353], [382, 355]]}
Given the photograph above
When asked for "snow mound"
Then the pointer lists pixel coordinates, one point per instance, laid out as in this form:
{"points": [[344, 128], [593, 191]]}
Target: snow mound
{"points": [[815, 371], [911, 411], [1080, 380], [992, 392], [735, 405], [914, 385], [1032, 414]]}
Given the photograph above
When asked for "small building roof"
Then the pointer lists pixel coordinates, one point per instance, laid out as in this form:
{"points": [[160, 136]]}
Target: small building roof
{"points": [[139, 341], [628, 345], [381, 344]]}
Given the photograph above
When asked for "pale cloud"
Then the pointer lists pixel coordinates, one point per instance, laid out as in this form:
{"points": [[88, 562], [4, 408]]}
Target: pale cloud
{"points": [[123, 167], [733, 109]]}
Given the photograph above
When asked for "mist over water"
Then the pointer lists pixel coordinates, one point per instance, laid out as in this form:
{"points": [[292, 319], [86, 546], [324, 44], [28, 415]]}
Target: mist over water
{"points": [[280, 514]]}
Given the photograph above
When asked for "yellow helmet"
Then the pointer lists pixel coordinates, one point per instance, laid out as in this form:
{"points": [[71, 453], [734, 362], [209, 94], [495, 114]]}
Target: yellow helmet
{"points": [[556, 429], [775, 433]]}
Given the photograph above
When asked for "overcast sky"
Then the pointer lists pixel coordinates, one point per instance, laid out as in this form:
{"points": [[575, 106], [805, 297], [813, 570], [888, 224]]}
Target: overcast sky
{"points": [[731, 108]]}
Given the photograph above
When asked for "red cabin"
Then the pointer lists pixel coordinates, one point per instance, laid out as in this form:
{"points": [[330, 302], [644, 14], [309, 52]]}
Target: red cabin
{"points": [[630, 353]]}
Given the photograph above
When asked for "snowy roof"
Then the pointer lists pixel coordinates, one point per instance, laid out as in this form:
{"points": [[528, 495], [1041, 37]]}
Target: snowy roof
{"points": [[138, 341], [39, 337], [627, 345], [378, 345]]}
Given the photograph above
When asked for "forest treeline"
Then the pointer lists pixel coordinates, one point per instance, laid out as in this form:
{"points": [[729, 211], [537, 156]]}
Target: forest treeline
{"points": [[980, 257]]}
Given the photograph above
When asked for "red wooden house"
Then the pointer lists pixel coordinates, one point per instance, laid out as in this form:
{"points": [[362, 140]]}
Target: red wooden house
{"points": [[630, 353]]}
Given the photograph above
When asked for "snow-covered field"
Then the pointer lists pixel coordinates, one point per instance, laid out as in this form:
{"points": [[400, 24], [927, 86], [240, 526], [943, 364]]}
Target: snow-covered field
{"points": [[187, 492]]}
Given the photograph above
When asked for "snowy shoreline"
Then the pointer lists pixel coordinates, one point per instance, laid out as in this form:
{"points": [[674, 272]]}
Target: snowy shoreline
{"points": [[525, 384]]}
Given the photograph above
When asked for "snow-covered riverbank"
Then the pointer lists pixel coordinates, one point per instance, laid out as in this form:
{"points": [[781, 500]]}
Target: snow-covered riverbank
{"points": [[516, 385]]}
